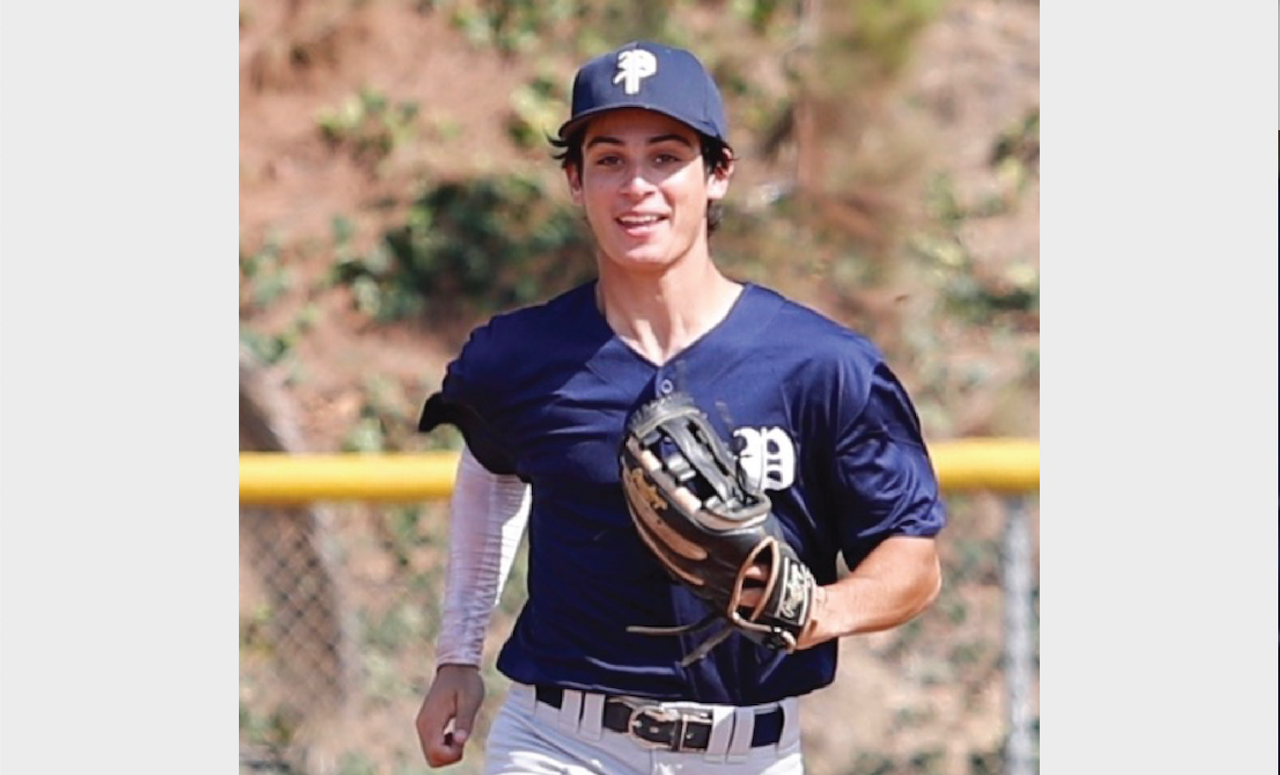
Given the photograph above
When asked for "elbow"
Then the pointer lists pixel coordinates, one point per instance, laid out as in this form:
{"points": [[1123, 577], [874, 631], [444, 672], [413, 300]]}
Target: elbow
{"points": [[930, 584], [935, 584]]}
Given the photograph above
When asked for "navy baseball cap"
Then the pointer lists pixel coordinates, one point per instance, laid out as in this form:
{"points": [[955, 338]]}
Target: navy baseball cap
{"points": [[648, 75]]}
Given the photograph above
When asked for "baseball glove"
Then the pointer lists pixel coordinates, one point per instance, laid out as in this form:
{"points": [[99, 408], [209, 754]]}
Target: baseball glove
{"points": [[691, 504]]}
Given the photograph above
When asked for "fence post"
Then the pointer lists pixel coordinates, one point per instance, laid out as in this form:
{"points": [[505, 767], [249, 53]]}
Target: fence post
{"points": [[1019, 650]]}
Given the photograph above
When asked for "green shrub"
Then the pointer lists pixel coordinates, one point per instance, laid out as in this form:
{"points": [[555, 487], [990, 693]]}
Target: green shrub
{"points": [[369, 126], [471, 248]]}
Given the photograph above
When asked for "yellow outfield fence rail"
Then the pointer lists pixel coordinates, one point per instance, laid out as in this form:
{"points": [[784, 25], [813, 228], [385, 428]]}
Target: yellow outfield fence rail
{"points": [[991, 464], [278, 477]]}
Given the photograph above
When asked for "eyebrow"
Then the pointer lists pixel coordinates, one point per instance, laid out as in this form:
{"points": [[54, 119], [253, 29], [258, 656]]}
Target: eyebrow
{"points": [[608, 140]]}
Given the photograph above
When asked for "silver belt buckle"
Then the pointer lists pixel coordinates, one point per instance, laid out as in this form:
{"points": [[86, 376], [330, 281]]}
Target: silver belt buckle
{"points": [[655, 715]]}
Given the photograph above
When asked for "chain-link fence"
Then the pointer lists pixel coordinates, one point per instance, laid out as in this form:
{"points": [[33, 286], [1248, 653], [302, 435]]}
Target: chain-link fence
{"points": [[297, 658], [339, 610]]}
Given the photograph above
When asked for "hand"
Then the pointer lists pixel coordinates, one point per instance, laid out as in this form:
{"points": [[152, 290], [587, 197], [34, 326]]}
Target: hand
{"points": [[752, 588], [753, 593], [448, 713]]}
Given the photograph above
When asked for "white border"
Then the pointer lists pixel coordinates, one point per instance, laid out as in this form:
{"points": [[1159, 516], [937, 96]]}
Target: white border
{"points": [[1159, 497], [118, 500]]}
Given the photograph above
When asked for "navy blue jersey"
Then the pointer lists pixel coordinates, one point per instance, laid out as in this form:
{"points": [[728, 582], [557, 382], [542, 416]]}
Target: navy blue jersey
{"points": [[825, 427]]}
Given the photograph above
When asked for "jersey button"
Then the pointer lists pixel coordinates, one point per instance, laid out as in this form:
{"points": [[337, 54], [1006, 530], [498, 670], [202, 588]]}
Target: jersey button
{"points": [[665, 387]]}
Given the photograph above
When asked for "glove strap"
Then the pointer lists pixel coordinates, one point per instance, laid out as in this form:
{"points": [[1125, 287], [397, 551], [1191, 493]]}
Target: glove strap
{"points": [[674, 630], [704, 647]]}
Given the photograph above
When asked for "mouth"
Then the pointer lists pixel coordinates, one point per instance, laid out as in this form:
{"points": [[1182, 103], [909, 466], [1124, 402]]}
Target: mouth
{"points": [[639, 224]]}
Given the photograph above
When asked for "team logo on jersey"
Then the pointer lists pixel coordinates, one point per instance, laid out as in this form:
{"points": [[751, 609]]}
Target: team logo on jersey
{"points": [[768, 457], [633, 66]]}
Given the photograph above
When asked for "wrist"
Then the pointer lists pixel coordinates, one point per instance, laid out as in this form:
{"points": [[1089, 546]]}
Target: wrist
{"points": [[831, 617], [814, 631]]}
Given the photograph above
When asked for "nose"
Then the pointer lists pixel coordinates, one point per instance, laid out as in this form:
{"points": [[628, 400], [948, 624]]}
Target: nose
{"points": [[635, 184]]}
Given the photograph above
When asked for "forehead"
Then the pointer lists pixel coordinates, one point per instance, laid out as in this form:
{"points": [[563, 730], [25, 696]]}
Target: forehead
{"points": [[637, 124]]}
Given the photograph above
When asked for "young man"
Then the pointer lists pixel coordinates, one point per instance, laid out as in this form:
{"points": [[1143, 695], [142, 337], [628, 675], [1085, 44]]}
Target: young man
{"points": [[542, 396]]}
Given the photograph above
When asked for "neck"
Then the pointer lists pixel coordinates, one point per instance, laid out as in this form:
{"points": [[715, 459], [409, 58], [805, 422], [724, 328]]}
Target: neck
{"points": [[660, 314]]}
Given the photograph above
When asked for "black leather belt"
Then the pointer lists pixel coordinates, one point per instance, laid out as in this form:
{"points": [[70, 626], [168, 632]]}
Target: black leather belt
{"points": [[669, 728]]}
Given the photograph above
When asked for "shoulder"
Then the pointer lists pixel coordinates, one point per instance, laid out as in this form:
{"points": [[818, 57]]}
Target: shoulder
{"points": [[513, 335], [828, 370], [812, 336]]}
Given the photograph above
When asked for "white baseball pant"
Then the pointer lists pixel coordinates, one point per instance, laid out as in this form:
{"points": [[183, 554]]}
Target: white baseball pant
{"points": [[531, 736]]}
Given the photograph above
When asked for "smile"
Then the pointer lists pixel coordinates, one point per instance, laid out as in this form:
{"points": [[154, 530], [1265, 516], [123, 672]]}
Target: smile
{"points": [[639, 223]]}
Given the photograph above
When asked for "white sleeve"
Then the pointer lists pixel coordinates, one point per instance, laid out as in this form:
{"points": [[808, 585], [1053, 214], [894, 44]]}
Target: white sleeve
{"points": [[487, 515]]}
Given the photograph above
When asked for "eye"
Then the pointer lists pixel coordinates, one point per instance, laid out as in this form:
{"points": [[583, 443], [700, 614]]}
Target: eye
{"points": [[607, 161], [666, 158]]}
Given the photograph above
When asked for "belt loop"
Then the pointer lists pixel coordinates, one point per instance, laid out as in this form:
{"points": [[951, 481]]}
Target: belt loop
{"points": [[570, 710], [592, 726], [744, 726], [681, 727], [790, 722], [721, 732]]}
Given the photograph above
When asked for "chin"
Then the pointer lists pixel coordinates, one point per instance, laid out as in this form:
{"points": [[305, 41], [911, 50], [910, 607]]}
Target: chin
{"points": [[646, 259]]}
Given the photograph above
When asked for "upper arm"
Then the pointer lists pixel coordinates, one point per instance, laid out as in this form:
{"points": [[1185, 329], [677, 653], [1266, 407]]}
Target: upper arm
{"points": [[903, 560], [884, 481]]}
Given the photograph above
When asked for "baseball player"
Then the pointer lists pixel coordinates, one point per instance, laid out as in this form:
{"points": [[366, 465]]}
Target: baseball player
{"points": [[542, 396]]}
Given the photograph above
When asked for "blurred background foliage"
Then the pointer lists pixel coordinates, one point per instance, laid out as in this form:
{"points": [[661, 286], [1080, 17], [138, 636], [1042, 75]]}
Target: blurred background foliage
{"points": [[396, 189]]}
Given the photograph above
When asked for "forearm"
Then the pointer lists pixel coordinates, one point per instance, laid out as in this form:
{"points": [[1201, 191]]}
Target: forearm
{"points": [[897, 581], [487, 516]]}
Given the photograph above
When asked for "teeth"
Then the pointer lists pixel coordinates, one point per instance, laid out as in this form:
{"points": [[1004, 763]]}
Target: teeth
{"points": [[638, 221]]}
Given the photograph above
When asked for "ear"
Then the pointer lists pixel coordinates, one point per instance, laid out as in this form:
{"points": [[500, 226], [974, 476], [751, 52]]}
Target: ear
{"points": [[574, 176], [718, 180]]}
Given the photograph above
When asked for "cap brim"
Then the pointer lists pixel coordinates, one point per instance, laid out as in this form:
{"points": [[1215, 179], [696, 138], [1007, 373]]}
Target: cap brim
{"points": [[568, 127]]}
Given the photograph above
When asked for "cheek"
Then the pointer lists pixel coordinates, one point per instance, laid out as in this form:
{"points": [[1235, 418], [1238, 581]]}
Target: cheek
{"points": [[688, 187], [594, 199], [691, 202]]}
